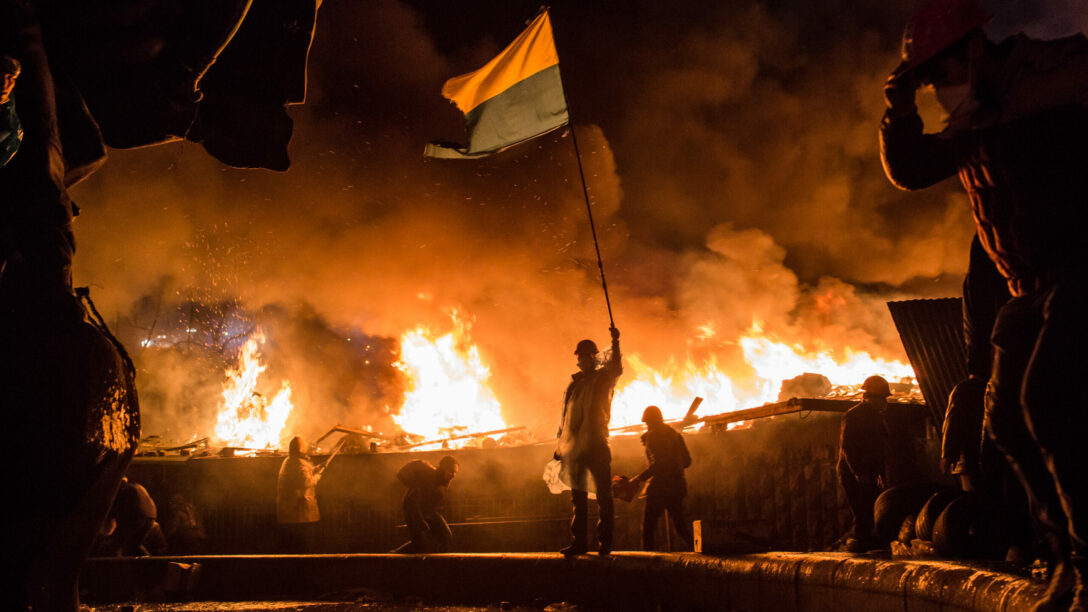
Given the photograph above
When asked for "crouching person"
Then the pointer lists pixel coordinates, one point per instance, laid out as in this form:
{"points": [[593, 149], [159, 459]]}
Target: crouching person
{"points": [[427, 486]]}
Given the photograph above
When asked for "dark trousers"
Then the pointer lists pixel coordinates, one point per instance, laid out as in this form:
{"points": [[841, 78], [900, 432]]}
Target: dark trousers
{"points": [[296, 538], [598, 462], [655, 506], [861, 498], [427, 528], [1034, 411]]}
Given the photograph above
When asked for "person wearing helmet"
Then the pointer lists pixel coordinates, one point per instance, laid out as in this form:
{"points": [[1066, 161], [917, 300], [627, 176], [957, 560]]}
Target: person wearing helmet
{"points": [[583, 442], [427, 487], [668, 457], [1017, 137], [861, 463]]}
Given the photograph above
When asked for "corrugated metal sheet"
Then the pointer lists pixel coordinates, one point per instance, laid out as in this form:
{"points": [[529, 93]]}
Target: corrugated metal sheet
{"points": [[932, 334]]}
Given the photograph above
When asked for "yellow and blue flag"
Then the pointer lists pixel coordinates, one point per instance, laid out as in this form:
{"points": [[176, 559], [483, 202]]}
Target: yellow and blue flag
{"points": [[515, 97]]}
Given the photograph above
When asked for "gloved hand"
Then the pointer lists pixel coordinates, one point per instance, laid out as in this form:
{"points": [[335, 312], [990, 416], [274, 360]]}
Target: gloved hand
{"points": [[615, 333], [899, 91], [962, 428]]}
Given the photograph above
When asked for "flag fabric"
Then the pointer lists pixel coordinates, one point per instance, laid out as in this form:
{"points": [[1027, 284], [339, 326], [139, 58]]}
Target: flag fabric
{"points": [[515, 97]]}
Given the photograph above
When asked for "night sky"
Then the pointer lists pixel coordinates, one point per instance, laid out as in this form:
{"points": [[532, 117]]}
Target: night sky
{"points": [[731, 155]]}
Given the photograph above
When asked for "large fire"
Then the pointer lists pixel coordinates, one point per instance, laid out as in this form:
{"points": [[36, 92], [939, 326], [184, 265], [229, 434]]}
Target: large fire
{"points": [[246, 418], [448, 392], [673, 388]]}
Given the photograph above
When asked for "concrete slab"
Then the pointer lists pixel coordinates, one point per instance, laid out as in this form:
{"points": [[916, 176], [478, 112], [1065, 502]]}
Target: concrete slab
{"points": [[780, 582]]}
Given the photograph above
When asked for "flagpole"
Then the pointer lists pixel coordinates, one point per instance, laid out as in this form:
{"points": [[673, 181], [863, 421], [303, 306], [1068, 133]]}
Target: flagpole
{"points": [[585, 190], [589, 211]]}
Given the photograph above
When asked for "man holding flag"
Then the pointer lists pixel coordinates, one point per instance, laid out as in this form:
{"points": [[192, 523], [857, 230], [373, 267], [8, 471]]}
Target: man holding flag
{"points": [[583, 442], [518, 96]]}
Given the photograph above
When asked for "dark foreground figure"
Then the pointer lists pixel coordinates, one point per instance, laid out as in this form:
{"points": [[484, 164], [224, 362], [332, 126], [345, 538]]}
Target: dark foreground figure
{"points": [[68, 388], [68, 395], [1016, 137], [668, 457], [132, 528], [427, 487], [583, 442]]}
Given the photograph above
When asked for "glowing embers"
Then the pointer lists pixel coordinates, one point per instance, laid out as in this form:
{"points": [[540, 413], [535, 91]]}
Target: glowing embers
{"points": [[248, 419], [447, 391]]}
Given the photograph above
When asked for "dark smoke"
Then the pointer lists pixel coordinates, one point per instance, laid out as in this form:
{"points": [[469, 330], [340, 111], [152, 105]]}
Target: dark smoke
{"points": [[731, 156]]}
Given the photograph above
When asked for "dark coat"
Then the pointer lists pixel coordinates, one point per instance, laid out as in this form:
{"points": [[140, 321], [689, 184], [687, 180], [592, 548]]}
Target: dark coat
{"points": [[11, 132], [668, 457], [984, 293], [1021, 155], [423, 481], [862, 442], [1026, 181]]}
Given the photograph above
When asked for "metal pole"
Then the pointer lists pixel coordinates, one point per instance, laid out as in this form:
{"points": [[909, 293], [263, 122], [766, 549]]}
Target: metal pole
{"points": [[585, 191], [589, 211]]}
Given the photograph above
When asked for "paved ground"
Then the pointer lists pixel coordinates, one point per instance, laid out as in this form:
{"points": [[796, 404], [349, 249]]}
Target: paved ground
{"points": [[320, 606]]}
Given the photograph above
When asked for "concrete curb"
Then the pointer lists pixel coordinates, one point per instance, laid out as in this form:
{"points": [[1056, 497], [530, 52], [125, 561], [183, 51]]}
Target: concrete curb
{"points": [[781, 582]]}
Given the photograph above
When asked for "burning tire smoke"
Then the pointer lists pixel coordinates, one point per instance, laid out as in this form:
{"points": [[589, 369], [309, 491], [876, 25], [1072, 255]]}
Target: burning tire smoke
{"points": [[747, 230]]}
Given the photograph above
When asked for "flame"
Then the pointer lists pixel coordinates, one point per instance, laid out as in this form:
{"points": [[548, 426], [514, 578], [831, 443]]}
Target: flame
{"points": [[674, 387], [775, 362], [448, 385], [246, 418], [671, 391]]}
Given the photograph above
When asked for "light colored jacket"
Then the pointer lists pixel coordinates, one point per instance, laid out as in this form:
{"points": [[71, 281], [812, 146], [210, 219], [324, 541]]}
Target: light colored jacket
{"points": [[296, 497]]}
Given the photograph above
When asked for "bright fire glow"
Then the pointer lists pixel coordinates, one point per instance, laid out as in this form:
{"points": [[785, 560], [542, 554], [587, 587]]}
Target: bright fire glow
{"points": [[448, 386], [672, 390], [674, 387], [776, 362], [246, 418]]}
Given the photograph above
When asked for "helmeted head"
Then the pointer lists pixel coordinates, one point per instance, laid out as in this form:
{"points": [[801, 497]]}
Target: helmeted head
{"points": [[587, 355], [9, 71], [448, 468], [296, 448], [875, 387], [938, 25], [652, 416]]}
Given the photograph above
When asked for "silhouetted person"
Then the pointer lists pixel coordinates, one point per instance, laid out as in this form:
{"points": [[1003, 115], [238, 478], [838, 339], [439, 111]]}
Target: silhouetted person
{"points": [[183, 527], [861, 464], [296, 499], [1017, 138], [427, 487], [984, 293], [668, 457], [966, 451], [11, 130], [131, 528], [583, 442]]}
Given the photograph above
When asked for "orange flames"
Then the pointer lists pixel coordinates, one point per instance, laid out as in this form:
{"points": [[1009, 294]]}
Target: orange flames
{"points": [[448, 392], [246, 418], [771, 362]]}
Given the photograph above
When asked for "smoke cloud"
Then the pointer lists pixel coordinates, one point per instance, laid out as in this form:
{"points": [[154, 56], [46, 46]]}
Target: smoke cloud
{"points": [[732, 162]]}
